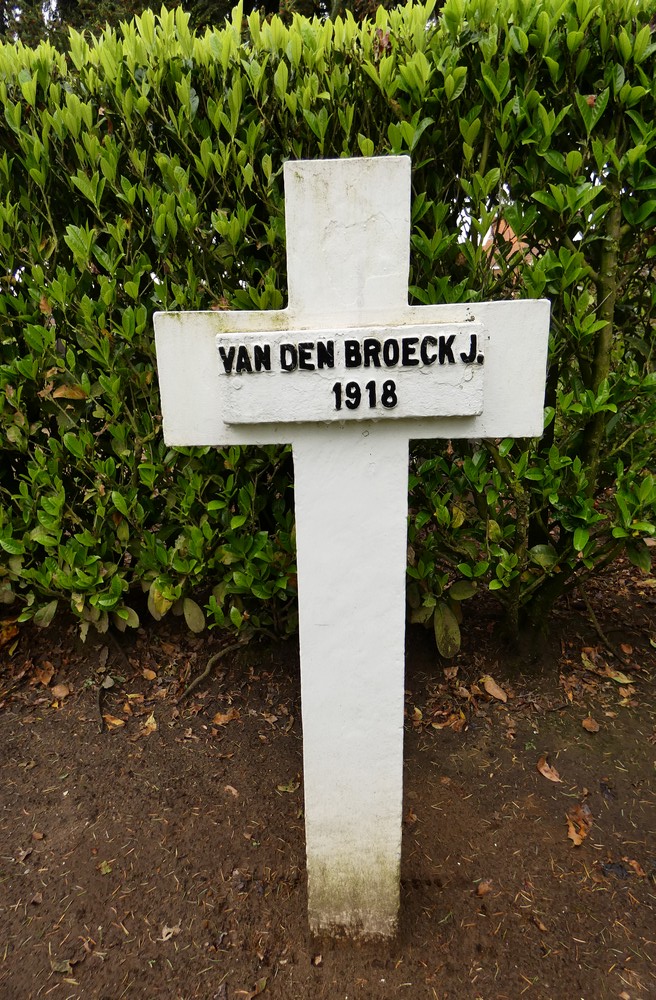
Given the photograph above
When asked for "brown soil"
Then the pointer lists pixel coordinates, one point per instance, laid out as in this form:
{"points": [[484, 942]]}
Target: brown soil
{"points": [[163, 857]]}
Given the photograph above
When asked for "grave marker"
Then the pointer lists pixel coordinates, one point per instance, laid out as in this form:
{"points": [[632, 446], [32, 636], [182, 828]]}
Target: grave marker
{"points": [[349, 373]]}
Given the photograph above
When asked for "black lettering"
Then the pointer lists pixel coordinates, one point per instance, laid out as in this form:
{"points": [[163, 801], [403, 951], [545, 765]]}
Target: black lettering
{"points": [[262, 357], [353, 394], [408, 348], [391, 353], [428, 359], [243, 360], [471, 354], [446, 349], [352, 354], [371, 352], [326, 354], [228, 358], [305, 357], [389, 398], [288, 357]]}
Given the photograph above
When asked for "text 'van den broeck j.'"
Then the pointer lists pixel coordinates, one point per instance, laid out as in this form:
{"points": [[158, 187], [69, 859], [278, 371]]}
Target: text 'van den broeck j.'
{"points": [[370, 352]]}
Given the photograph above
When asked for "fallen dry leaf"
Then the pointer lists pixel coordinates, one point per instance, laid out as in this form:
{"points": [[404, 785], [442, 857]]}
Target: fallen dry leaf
{"points": [[60, 691], [587, 663], [493, 688], [63, 966], [169, 932], [112, 721], [260, 987], [547, 771], [148, 675], [617, 676], [150, 725], [590, 725], [37, 835], [579, 821], [290, 787], [44, 674], [484, 887], [637, 867], [69, 392], [538, 923], [223, 718]]}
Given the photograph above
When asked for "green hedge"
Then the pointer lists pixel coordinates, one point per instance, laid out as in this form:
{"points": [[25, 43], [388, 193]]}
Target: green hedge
{"points": [[142, 170]]}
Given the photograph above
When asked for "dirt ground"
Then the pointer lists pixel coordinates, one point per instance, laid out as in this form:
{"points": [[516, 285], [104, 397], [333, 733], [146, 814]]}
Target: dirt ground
{"points": [[154, 848]]}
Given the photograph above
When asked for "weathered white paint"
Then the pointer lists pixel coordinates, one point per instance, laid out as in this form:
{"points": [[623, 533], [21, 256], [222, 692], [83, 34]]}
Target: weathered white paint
{"points": [[348, 229], [351, 502]]}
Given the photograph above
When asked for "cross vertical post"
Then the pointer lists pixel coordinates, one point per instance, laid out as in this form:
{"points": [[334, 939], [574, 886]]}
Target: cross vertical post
{"points": [[351, 503]]}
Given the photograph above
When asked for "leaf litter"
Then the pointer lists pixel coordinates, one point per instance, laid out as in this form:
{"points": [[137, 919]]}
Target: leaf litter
{"points": [[493, 689], [169, 932], [579, 822], [455, 699], [547, 771]]}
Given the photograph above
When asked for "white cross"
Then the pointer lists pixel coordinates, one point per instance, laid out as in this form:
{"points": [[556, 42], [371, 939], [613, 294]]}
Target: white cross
{"points": [[449, 371]]}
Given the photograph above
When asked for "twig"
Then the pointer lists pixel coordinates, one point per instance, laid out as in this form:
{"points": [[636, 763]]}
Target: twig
{"points": [[597, 627], [99, 694], [210, 663], [119, 649]]}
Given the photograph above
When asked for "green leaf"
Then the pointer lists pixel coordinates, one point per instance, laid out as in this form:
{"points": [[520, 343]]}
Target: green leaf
{"points": [[366, 145], [494, 532], [45, 615], [544, 555], [79, 241], [194, 615], [462, 590], [640, 556], [447, 630], [158, 605], [120, 504], [421, 615], [126, 618], [11, 546], [74, 445], [591, 107]]}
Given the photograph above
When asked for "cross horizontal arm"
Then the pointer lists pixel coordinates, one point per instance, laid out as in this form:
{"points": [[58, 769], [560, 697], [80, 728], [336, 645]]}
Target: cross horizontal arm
{"points": [[194, 397]]}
